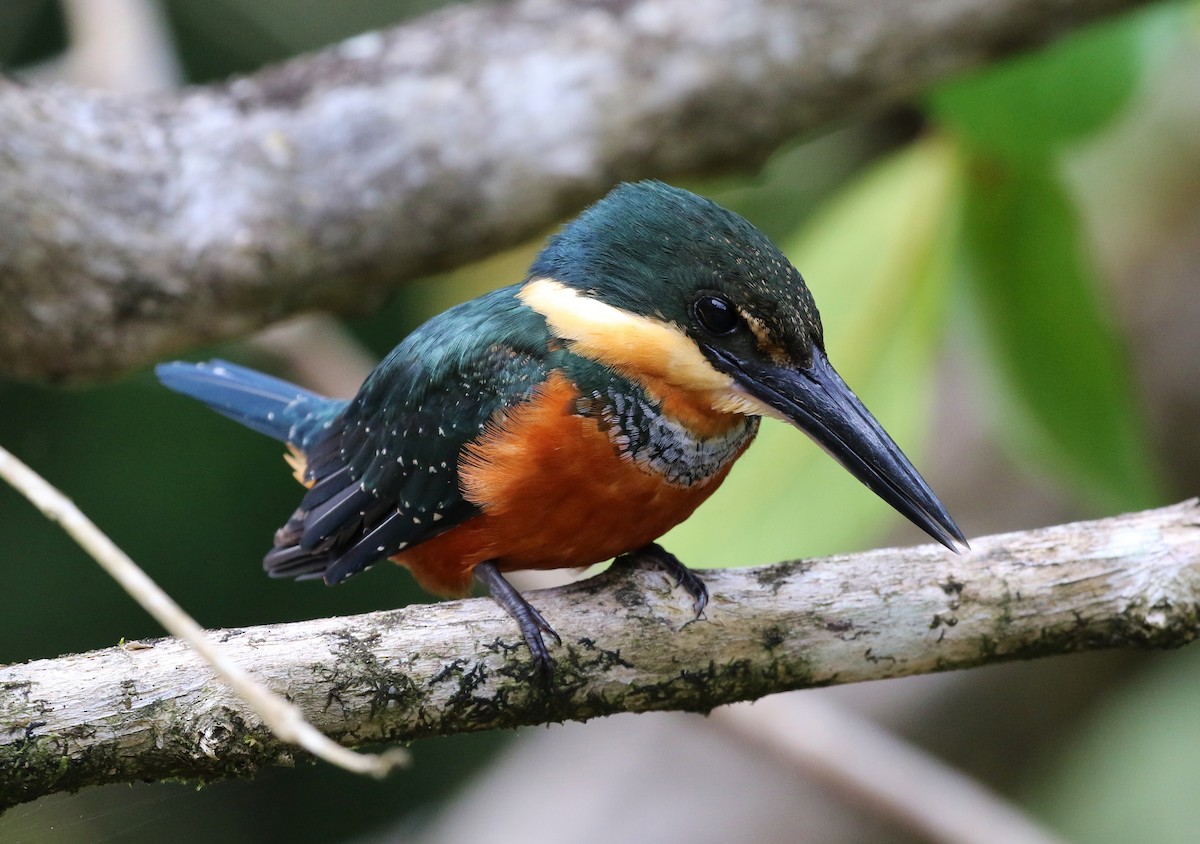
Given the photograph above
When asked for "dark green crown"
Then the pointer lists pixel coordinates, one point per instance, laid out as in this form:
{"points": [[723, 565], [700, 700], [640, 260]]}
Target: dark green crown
{"points": [[653, 249]]}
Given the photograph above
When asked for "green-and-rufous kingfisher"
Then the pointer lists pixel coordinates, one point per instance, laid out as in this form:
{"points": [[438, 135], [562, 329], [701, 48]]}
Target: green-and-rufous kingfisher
{"points": [[568, 419]]}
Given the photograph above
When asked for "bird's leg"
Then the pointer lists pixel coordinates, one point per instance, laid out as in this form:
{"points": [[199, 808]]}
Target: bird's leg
{"points": [[664, 560], [528, 619]]}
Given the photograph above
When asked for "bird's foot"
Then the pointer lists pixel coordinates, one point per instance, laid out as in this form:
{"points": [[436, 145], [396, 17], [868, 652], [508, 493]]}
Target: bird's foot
{"points": [[662, 559], [530, 622]]}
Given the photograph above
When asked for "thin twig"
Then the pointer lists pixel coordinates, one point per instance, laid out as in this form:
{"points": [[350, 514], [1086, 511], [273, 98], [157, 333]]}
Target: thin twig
{"points": [[120, 45], [317, 351], [280, 715], [881, 771]]}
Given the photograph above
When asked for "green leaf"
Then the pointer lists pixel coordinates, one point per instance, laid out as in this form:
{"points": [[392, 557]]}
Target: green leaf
{"points": [[877, 263], [1038, 296], [1038, 299], [1031, 107]]}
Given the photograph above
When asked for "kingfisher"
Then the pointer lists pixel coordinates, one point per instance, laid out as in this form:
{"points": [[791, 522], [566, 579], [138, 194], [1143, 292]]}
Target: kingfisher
{"points": [[569, 419]]}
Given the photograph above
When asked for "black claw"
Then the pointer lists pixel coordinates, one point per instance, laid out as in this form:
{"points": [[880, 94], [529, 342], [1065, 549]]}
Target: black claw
{"points": [[684, 577], [530, 622], [542, 624]]}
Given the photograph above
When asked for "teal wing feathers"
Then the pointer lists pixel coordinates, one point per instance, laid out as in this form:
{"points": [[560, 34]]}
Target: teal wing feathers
{"points": [[384, 476]]}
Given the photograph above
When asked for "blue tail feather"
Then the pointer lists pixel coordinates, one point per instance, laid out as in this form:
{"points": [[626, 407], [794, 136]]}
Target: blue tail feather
{"points": [[261, 402]]}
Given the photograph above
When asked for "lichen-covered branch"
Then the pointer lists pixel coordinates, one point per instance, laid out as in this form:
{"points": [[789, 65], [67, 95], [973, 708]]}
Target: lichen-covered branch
{"points": [[136, 226], [630, 644]]}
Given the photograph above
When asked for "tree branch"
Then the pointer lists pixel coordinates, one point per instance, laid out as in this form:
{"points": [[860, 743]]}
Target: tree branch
{"points": [[629, 645], [131, 227]]}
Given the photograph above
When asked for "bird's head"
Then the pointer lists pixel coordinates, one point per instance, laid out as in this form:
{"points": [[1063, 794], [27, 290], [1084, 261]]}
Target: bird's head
{"points": [[665, 285]]}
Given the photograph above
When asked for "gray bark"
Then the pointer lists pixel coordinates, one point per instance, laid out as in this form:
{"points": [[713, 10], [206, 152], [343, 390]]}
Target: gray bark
{"points": [[136, 226], [630, 644]]}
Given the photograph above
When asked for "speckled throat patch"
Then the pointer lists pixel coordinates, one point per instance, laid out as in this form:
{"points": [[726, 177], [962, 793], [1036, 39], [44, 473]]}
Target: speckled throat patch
{"points": [[641, 432]]}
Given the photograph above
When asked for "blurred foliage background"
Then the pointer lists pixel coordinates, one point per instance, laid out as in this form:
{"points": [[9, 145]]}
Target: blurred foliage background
{"points": [[1007, 274]]}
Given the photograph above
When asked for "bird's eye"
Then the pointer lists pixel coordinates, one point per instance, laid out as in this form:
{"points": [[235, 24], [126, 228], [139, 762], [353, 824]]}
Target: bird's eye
{"points": [[717, 315]]}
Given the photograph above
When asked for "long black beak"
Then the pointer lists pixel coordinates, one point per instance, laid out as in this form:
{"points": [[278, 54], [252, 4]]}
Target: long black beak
{"points": [[817, 401]]}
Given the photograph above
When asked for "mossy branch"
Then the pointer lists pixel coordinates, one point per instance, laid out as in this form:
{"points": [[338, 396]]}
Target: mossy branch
{"points": [[629, 645], [133, 227]]}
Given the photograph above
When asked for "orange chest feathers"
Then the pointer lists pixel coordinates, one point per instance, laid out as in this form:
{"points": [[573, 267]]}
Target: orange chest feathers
{"points": [[561, 488]]}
